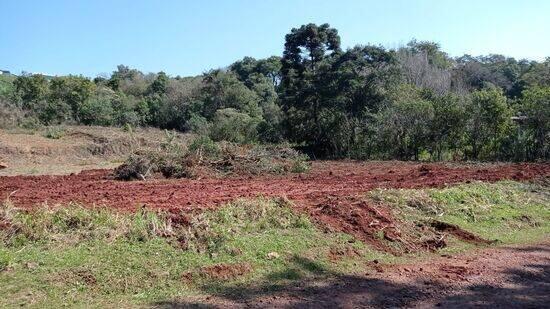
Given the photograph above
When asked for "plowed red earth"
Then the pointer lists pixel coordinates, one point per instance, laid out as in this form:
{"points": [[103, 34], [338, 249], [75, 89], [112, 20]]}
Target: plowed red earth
{"points": [[326, 180], [329, 194]]}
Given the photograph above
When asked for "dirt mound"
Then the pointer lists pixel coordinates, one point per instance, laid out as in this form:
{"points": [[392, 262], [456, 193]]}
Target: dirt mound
{"points": [[366, 222], [459, 233], [375, 225]]}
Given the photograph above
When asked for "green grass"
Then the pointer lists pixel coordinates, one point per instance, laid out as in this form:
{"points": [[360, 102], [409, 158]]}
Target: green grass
{"points": [[74, 256], [82, 257], [507, 211]]}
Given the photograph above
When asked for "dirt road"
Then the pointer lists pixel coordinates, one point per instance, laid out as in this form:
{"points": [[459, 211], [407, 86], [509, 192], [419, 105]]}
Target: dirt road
{"points": [[507, 277]]}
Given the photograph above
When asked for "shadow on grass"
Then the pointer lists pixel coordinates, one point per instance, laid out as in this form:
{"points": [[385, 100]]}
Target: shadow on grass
{"points": [[306, 283], [313, 286]]}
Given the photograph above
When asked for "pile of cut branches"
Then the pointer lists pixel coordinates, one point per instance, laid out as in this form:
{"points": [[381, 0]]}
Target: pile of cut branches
{"points": [[206, 158]]}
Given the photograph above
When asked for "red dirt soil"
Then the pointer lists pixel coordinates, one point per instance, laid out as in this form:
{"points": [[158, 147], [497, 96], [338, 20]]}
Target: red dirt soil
{"points": [[330, 194], [326, 180]]}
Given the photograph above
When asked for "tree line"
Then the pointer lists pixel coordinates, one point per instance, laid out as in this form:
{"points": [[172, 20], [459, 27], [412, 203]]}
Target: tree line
{"points": [[365, 102]]}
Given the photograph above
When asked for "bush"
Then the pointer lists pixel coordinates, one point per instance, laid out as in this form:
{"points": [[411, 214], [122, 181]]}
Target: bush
{"points": [[10, 114], [233, 126], [96, 111], [203, 145], [52, 112], [136, 166], [54, 132], [30, 123], [198, 124]]}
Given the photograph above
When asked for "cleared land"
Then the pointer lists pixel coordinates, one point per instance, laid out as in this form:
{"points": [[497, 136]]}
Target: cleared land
{"points": [[326, 180], [345, 234]]}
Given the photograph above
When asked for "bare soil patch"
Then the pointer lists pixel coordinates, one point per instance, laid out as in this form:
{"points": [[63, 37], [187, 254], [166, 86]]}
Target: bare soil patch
{"points": [[506, 277], [327, 180]]}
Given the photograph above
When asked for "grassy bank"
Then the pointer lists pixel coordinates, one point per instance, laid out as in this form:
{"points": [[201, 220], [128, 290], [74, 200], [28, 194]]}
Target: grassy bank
{"points": [[75, 256], [505, 212]]}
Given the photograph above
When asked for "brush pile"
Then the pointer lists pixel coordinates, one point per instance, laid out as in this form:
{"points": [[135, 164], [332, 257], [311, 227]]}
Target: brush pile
{"points": [[203, 158]]}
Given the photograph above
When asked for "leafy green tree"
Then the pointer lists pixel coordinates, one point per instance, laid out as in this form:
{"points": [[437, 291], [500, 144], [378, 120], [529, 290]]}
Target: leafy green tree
{"points": [[160, 84], [403, 127], [231, 125], [73, 90], [222, 90], [52, 112], [270, 68], [356, 84], [489, 118], [97, 110], [535, 104], [129, 81], [534, 75], [7, 89], [307, 51], [31, 89], [125, 110], [448, 125]]}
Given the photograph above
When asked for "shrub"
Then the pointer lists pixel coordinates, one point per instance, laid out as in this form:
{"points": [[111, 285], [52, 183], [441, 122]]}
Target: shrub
{"points": [[30, 123], [54, 132], [203, 145], [10, 114], [96, 111], [136, 166], [198, 124], [233, 126]]}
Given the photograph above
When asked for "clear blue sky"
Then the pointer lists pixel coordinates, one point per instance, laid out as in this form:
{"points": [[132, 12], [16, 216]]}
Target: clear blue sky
{"points": [[190, 37]]}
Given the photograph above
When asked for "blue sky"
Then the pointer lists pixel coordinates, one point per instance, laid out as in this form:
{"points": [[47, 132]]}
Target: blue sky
{"points": [[190, 37]]}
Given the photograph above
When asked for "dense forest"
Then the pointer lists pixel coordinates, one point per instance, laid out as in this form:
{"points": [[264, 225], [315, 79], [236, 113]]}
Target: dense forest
{"points": [[366, 102]]}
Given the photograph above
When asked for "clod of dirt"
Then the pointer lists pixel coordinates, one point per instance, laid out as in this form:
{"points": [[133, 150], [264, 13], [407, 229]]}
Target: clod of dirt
{"points": [[434, 244], [454, 272], [336, 254], [272, 255], [87, 276], [459, 233], [224, 271], [424, 170], [369, 223]]}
